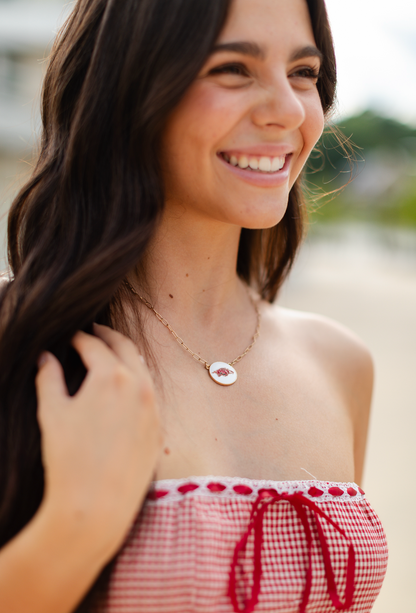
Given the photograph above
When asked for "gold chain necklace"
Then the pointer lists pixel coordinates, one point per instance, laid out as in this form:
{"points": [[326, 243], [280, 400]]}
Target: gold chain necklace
{"points": [[222, 373]]}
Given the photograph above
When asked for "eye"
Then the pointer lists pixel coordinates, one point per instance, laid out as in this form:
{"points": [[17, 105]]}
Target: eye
{"points": [[239, 70], [307, 72]]}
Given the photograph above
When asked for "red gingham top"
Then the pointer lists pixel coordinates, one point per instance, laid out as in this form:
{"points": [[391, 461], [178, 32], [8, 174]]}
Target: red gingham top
{"points": [[225, 545]]}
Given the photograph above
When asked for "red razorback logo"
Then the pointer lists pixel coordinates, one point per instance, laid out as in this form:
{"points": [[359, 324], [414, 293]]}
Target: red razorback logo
{"points": [[223, 372]]}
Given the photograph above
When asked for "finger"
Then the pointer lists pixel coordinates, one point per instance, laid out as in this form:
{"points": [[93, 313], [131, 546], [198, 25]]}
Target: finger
{"points": [[94, 352], [122, 346], [50, 380]]}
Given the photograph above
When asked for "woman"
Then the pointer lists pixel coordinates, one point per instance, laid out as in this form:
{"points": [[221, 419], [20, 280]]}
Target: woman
{"points": [[168, 183]]}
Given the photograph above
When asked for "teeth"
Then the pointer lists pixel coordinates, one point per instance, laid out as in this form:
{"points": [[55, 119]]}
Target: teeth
{"points": [[265, 164], [262, 164], [277, 164], [243, 161]]}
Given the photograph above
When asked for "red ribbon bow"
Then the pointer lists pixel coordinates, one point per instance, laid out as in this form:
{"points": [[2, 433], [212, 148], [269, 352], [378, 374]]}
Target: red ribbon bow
{"points": [[300, 503]]}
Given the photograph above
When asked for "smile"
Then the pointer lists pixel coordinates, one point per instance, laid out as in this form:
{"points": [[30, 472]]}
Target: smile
{"points": [[258, 169], [260, 164]]}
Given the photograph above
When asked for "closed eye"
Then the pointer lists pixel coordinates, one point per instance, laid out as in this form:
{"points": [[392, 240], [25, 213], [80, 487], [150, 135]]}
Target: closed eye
{"points": [[307, 72], [234, 69]]}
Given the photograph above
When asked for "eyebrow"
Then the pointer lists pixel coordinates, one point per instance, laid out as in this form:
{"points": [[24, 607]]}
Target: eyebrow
{"points": [[308, 51], [245, 48], [254, 50]]}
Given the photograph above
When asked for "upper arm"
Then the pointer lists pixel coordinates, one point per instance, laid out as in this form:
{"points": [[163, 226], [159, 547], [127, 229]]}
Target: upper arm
{"points": [[351, 365], [348, 365], [359, 397]]}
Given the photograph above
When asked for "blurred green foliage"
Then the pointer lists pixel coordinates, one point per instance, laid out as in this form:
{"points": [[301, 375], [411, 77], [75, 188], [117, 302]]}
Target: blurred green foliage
{"points": [[364, 168]]}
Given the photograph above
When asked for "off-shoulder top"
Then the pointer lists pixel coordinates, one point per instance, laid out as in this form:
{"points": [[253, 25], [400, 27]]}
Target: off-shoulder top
{"points": [[228, 545]]}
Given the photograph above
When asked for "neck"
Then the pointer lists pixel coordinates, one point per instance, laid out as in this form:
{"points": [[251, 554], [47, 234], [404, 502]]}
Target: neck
{"points": [[190, 278], [190, 270]]}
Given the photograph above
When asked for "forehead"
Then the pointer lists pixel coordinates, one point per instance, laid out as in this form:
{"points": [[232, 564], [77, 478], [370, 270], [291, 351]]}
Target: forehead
{"points": [[275, 25]]}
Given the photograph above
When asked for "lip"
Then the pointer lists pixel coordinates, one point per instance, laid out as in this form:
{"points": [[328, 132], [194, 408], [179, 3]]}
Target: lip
{"points": [[260, 179], [266, 150]]}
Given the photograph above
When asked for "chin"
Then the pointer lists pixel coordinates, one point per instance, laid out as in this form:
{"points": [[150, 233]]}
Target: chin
{"points": [[262, 218], [264, 225]]}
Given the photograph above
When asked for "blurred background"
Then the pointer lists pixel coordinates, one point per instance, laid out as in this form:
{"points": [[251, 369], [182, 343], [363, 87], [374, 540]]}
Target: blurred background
{"points": [[358, 264]]}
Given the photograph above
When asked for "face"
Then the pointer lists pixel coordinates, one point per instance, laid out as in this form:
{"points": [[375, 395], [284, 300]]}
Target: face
{"points": [[234, 146]]}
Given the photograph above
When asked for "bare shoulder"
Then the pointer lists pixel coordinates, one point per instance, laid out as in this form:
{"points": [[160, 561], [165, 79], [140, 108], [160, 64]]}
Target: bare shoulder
{"points": [[342, 354], [340, 361], [328, 339]]}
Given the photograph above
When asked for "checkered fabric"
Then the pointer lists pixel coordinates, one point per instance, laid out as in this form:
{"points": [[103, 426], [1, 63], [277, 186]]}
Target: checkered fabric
{"points": [[224, 545]]}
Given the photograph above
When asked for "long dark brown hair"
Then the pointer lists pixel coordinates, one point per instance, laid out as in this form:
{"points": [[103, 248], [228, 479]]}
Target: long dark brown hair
{"points": [[84, 219]]}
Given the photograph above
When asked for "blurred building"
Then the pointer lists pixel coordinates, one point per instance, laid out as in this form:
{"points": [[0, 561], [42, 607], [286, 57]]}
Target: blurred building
{"points": [[27, 29]]}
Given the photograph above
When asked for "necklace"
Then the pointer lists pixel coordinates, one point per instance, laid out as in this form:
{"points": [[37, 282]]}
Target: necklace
{"points": [[222, 373]]}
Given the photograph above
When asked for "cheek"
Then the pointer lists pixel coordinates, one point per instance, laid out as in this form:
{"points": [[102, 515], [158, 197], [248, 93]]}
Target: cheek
{"points": [[314, 124], [311, 131], [192, 137], [202, 119]]}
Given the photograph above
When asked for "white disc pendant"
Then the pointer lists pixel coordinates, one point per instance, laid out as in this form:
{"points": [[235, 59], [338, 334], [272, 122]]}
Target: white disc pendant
{"points": [[222, 373]]}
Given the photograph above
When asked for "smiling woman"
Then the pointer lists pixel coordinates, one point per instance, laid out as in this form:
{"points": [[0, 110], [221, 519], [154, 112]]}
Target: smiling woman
{"points": [[166, 205], [247, 89]]}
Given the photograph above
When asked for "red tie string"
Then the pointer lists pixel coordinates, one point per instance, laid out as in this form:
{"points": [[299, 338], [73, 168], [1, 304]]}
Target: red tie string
{"points": [[300, 503]]}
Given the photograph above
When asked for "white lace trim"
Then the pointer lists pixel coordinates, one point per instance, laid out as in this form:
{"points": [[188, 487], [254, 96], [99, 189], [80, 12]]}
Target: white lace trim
{"points": [[168, 490]]}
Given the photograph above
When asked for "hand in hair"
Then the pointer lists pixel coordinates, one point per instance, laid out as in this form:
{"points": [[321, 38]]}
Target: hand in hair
{"points": [[99, 449]]}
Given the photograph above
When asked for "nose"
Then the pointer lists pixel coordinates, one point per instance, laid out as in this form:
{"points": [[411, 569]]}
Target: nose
{"points": [[278, 105]]}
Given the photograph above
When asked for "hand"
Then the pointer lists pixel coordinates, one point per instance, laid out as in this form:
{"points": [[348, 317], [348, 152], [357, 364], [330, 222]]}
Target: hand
{"points": [[99, 447]]}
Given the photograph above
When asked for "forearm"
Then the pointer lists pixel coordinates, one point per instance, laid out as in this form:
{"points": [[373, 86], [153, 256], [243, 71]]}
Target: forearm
{"points": [[47, 567], [99, 451]]}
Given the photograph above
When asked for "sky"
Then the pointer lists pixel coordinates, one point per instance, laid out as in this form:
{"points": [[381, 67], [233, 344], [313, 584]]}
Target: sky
{"points": [[375, 43]]}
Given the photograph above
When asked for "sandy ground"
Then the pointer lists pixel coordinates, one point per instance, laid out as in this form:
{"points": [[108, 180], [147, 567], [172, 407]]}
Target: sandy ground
{"points": [[368, 282]]}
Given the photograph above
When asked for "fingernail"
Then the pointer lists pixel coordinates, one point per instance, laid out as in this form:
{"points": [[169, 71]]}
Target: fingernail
{"points": [[43, 358]]}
